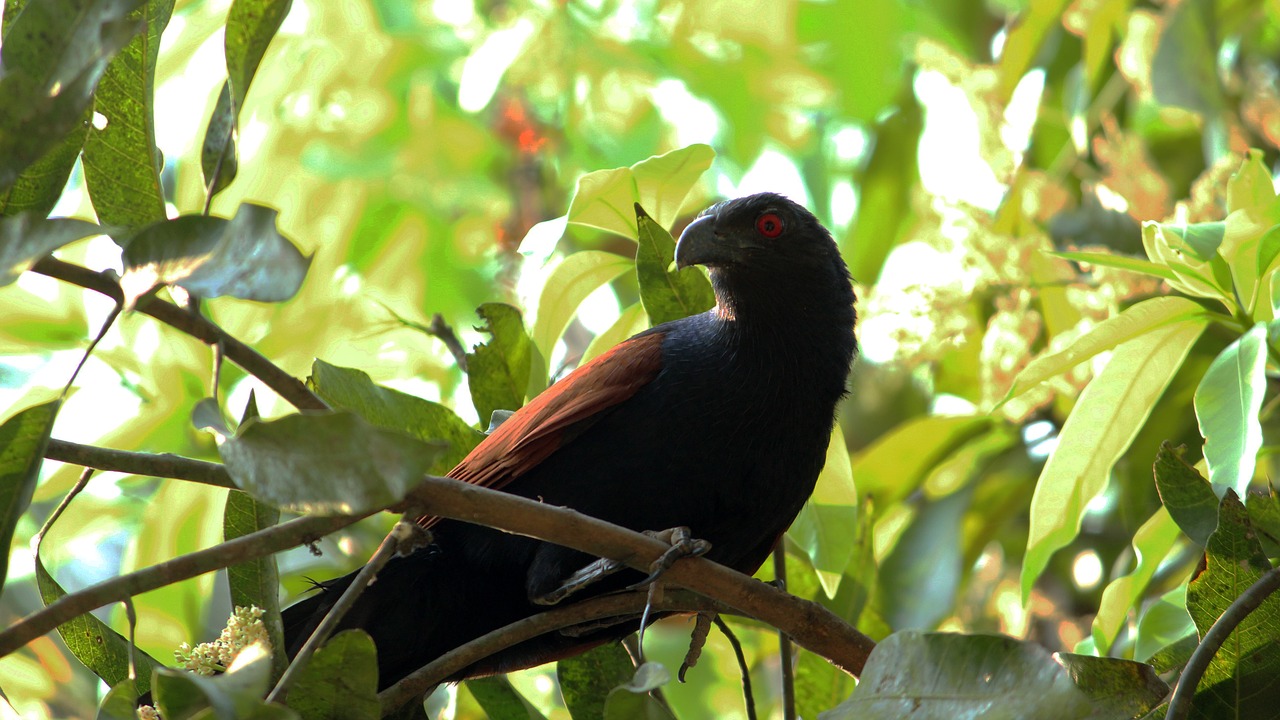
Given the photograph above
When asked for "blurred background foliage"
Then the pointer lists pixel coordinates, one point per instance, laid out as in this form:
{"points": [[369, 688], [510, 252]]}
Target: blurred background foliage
{"points": [[412, 147]]}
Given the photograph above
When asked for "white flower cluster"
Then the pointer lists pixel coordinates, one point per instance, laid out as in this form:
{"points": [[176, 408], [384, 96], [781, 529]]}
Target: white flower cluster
{"points": [[244, 628]]}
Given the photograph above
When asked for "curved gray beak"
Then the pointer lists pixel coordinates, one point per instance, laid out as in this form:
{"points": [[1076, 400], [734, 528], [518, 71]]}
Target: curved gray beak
{"points": [[700, 244]]}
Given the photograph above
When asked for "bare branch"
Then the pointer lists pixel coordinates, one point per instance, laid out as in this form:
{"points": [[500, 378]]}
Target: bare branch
{"points": [[164, 465], [287, 386]]}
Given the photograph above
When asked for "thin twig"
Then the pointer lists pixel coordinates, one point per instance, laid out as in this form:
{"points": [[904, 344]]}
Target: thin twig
{"points": [[345, 602], [784, 643], [164, 465], [246, 547], [748, 696], [106, 325], [443, 332], [1236, 612], [287, 386], [449, 665]]}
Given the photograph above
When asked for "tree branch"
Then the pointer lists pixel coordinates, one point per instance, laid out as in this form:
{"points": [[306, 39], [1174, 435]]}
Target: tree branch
{"points": [[247, 547], [164, 465], [287, 386]]}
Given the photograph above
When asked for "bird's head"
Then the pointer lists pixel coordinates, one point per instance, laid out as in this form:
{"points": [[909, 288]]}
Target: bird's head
{"points": [[765, 250]]}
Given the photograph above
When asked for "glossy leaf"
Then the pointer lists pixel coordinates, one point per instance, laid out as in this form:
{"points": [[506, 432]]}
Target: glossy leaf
{"points": [[1227, 403], [122, 164], [1106, 418], [340, 682], [898, 462], [1151, 545], [1119, 262], [1187, 496], [23, 439], [354, 390], [606, 199], [630, 321], [498, 370], [255, 582], [570, 283], [54, 54], [1251, 185], [827, 526], [327, 463], [1164, 629], [119, 703], [667, 294], [245, 257], [26, 238]]}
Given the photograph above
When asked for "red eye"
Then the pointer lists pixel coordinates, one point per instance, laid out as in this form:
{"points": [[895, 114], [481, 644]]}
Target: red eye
{"points": [[769, 225]]}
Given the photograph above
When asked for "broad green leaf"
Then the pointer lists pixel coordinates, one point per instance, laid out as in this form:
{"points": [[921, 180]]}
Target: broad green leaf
{"points": [[245, 257], [340, 682], [1119, 262], [122, 164], [23, 439], [1163, 625], [570, 283], [255, 582], [27, 237], [234, 695], [1264, 514], [1187, 496], [587, 679], [353, 390], [1118, 688], [1151, 544], [1179, 248], [54, 54], [1227, 402], [251, 24], [631, 321], [498, 371], [500, 700], [1251, 185], [899, 461], [606, 199], [326, 463], [1106, 418], [1038, 19], [101, 649], [37, 190], [632, 701], [1241, 678], [667, 294], [119, 704], [1133, 322], [819, 684], [919, 578], [827, 526], [944, 675]]}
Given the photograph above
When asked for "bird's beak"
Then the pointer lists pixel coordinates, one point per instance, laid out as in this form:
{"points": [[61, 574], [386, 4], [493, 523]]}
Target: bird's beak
{"points": [[700, 244]]}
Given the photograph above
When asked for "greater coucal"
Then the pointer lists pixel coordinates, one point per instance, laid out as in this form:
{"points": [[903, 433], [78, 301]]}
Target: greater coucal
{"points": [[718, 422]]}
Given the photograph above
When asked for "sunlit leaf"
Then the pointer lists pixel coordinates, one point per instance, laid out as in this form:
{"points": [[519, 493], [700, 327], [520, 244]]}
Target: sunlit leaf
{"points": [[326, 463], [1151, 544], [667, 294], [255, 582], [23, 439], [941, 675], [1163, 625], [1251, 185], [898, 462], [1241, 678], [500, 700], [498, 370], [119, 703], [1187, 496], [1118, 688], [1133, 322], [37, 189], [1106, 418], [1023, 43], [631, 700], [630, 321], [54, 54], [354, 390], [340, 682], [827, 526], [245, 257], [26, 238], [1120, 262], [885, 185], [1227, 402], [570, 283], [122, 164], [236, 693], [606, 199]]}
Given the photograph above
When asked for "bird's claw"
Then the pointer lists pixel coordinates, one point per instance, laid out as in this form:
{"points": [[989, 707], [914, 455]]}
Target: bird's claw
{"points": [[588, 575], [683, 545]]}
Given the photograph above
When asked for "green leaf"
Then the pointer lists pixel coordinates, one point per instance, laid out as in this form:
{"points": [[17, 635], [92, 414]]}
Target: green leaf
{"points": [[122, 164], [630, 321], [1180, 249], [37, 190], [353, 390], [667, 295], [1186, 495], [1264, 514], [327, 463], [1118, 688], [1240, 680], [1133, 322], [1119, 262], [1163, 630], [54, 54], [251, 24], [1106, 418], [943, 675], [569, 284], [340, 682], [119, 704], [500, 700], [587, 679], [255, 582], [632, 701], [27, 237], [23, 439], [1251, 185], [498, 371], [1037, 21], [1151, 545], [605, 199], [826, 528], [1184, 68], [899, 461], [885, 189], [1227, 403], [233, 695], [919, 578], [245, 257]]}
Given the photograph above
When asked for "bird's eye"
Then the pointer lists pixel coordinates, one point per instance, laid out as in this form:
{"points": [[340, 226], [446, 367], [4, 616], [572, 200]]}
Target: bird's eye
{"points": [[769, 225]]}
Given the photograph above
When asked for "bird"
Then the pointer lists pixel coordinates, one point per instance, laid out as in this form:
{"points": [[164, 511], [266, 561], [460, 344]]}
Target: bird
{"points": [[718, 422]]}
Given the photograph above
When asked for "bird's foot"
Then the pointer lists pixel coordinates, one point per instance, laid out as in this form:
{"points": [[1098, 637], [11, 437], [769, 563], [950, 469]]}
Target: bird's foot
{"points": [[701, 628], [589, 575], [683, 545]]}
